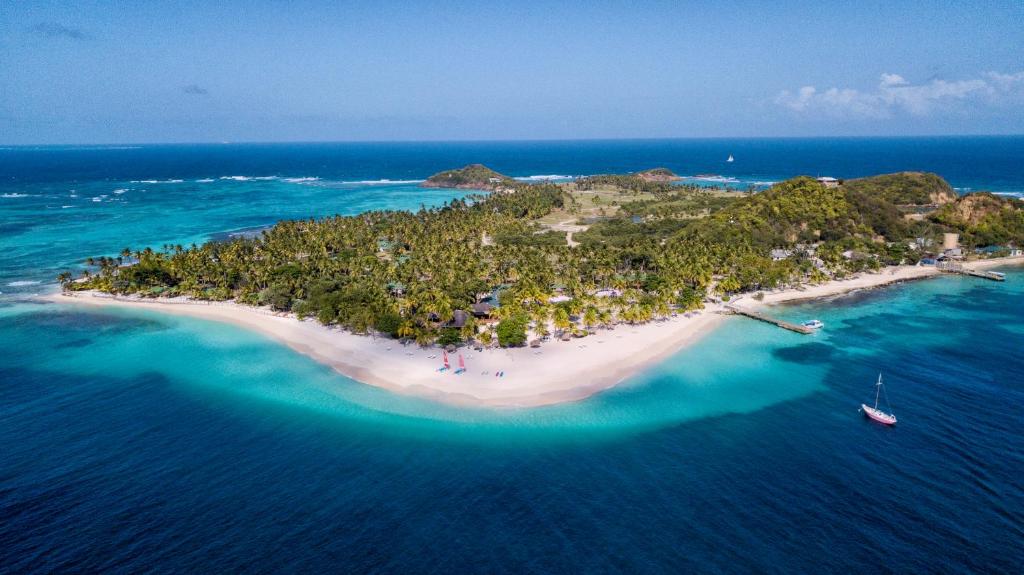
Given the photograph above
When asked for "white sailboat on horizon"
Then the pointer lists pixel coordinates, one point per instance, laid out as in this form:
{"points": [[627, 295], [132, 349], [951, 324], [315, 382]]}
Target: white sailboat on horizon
{"points": [[730, 159]]}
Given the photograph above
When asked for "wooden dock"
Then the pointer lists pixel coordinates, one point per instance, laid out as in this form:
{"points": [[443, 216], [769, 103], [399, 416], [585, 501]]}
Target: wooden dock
{"points": [[769, 319], [957, 268]]}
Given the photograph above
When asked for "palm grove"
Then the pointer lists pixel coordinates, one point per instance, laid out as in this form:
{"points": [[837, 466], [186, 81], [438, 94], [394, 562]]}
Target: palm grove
{"points": [[405, 274]]}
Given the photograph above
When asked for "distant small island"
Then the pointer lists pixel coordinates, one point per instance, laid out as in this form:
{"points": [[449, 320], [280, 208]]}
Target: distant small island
{"points": [[658, 175], [471, 177]]}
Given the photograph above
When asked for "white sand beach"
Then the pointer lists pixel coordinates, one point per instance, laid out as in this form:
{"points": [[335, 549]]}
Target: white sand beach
{"points": [[867, 280], [555, 373]]}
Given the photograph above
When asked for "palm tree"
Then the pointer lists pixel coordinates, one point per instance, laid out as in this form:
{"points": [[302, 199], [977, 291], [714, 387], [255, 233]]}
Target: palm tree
{"points": [[64, 278], [561, 319]]}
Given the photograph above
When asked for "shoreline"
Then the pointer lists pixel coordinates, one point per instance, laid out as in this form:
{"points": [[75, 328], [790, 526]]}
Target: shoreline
{"points": [[866, 280], [557, 372]]}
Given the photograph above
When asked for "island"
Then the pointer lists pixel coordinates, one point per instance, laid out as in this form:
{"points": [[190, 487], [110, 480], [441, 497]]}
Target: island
{"points": [[530, 294], [471, 177], [658, 175]]}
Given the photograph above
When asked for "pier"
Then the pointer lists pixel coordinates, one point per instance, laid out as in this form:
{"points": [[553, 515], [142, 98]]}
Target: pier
{"points": [[957, 268], [769, 319]]}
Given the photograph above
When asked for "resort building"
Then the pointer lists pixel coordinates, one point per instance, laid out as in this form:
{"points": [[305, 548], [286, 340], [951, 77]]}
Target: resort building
{"points": [[952, 254], [828, 182], [459, 319], [779, 255], [482, 309]]}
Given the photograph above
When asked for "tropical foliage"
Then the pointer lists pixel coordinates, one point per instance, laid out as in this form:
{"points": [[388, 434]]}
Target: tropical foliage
{"points": [[405, 274]]}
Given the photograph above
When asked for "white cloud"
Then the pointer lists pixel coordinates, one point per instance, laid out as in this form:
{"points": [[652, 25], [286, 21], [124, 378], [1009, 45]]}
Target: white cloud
{"points": [[895, 94], [893, 80]]}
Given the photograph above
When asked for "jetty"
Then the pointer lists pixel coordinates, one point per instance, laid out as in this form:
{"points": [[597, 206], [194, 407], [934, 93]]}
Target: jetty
{"points": [[769, 319], [957, 268]]}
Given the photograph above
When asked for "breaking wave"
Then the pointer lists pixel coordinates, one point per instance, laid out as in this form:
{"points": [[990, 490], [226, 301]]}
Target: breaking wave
{"points": [[545, 177], [716, 179], [384, 181]]}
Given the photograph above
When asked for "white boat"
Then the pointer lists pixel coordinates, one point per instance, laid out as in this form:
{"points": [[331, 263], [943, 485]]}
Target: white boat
{"points": [[731, 159], [813, 324], [876, 414]]}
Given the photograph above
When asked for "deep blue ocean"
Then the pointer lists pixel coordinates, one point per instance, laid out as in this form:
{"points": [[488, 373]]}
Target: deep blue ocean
{"points": [[132, 441]]}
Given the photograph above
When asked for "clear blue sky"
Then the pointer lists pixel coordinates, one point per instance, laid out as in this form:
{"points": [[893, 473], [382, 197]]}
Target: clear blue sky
{"points": [[102, 72]]}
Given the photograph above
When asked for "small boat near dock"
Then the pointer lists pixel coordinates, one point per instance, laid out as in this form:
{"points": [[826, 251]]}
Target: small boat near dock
{"points": [[875, 414], [813, 324]]}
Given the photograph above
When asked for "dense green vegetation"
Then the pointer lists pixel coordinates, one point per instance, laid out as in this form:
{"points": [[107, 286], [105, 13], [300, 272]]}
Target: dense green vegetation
{"points": [[405, 274], [984, 219], [684, 202], [628, 182], [904, 188]]}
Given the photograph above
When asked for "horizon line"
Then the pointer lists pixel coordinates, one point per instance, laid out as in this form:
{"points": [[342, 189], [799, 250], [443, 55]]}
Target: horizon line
{"points": [[501, 141]]}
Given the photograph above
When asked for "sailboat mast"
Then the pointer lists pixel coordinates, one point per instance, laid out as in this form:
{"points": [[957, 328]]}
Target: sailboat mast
{"points": [[878, 389]]}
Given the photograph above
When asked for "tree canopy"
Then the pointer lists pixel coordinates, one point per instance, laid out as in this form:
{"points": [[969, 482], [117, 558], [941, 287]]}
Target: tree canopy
{"points": [[405, 274]]}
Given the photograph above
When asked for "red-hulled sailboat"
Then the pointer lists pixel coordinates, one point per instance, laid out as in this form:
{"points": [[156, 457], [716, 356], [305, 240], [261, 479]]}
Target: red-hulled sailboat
{"points": [[876, 414]]}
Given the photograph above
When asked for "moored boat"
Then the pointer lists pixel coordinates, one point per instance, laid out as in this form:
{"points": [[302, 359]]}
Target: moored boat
{"points": [[876, 414], [813, 324]]}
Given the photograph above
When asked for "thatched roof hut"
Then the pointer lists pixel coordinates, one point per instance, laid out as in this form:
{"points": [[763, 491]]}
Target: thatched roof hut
{"points": [[482, 309], [459, 318]]}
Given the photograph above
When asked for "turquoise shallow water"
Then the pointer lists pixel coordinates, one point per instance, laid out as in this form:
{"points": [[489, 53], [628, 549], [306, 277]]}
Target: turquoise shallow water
{"points": [[54, 226], [213, 358], [136, 441]]}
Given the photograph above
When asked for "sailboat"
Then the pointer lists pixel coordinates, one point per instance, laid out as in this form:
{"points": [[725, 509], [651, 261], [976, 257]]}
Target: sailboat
{"points": [[447, 365], [462, 365], [877, 414], [730, 159]]}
